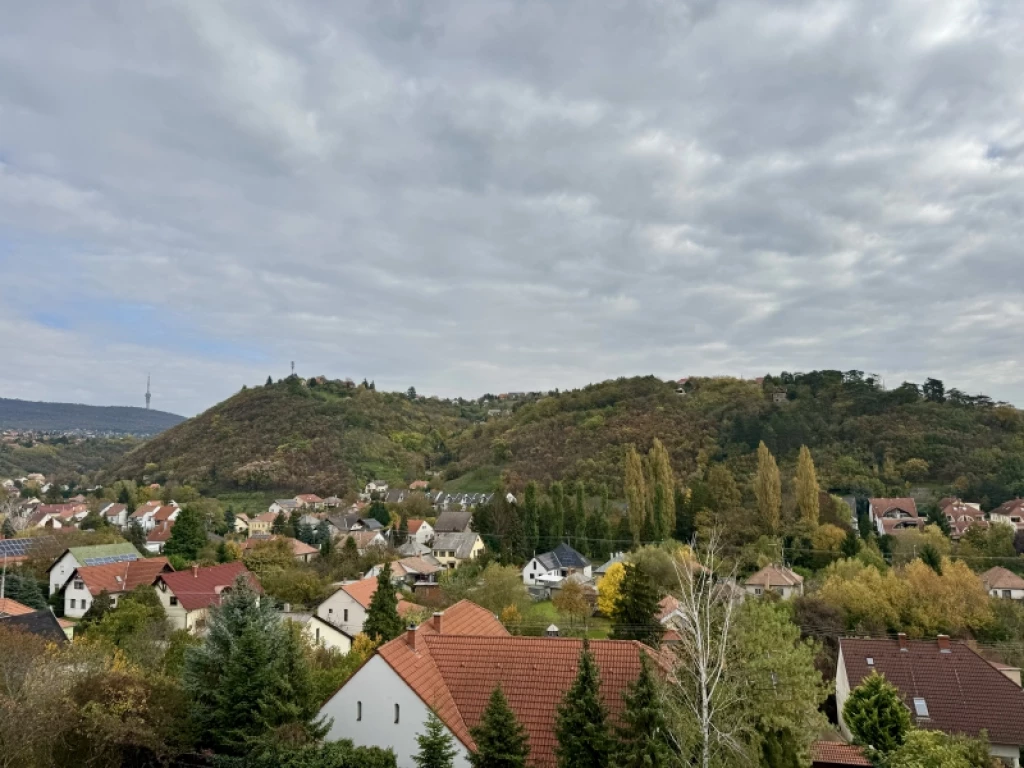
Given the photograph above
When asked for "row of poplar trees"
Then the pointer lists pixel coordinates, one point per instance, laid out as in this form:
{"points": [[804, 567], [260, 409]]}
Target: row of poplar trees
{"points": [[650, 494], [768, 490]]}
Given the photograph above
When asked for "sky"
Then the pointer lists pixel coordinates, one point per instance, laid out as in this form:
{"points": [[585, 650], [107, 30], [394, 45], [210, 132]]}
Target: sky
{"points": [[473, 196]]}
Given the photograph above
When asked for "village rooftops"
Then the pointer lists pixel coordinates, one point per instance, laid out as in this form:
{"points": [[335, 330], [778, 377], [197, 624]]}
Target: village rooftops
{"points": [[10, 607], [362, 592], [41, 623], [453, 521], [121, 577], [100, 554], [882, 507], [834, 754]]}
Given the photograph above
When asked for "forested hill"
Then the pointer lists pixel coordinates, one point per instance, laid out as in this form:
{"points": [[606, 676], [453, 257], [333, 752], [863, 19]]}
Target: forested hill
{"points": [[69, 417], [330, 438]]}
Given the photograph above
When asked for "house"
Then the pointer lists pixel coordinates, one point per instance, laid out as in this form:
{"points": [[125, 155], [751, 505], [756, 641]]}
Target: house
{"points": [[346, 523], [242, 523], [775, 578], [188, 595], [346, 608], [40, 519], [41, 623], [301, 551], [411, 571], [365, 540], [551, 567], [168, 513], [309, 501], [143, 515], [116, 579], [453, 549], [837, 754], [75, 557], [779, 396], [375, 487], [67, 513], [283, 506], [115, 515], [454, 521], [421, 531], [320, 632], [157, 538], [262, 523], [419, 485], [332, 502], [452, 671], [670, 613], [945, 685], [891, 516], [1010, 513], [1003, 583]]}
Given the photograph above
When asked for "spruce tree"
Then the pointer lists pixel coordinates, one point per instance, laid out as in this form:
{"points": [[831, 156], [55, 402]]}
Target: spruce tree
{"points": [[685, 517], [642, 733], [270, 382], [437, 747], [501, 740], [188, 535], [581, 725], [229, 519], [807, 487], [382, 619], [21, 587], [768, 490], [292, 526], [851, 545], [403, 529], [637, 609], [8, 529], [875, 714], [379, 512]]}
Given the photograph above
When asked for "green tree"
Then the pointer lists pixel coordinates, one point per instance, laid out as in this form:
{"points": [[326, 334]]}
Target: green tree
{"points": [[136, 535], [436, 745], [411, 393], [99, 608], [382, 619], [642, 734], [501, 740], [280, 524], [581, 725], [379, 512], [598, 533], [270, 382], [661, 474], [659, 514], [531, 532], [636, 494], [229, 519], [768, 490], [556, 529], [807, 487], [851, 545], [876, 715], [636, 610], [294, 523], [935, 749], [24, 589], [188, 535], [8, 529], [723, 493]]}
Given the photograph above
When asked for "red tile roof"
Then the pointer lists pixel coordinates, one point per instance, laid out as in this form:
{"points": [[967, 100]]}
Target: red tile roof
{"points": [[836, 753], [147, 508], [414, 525], [775, 576], [164, 513], [161, 532], [10, 607], [122, 577], [299, 548], [455, 674], [202, 587], [880, 506], [1013, 507], [963, 692], [362, 592], [1001, 578], [308, 498]]}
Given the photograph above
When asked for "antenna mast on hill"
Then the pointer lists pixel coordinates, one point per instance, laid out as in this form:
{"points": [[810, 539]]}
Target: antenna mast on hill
{"points": [[148, 396], [293, 367]]}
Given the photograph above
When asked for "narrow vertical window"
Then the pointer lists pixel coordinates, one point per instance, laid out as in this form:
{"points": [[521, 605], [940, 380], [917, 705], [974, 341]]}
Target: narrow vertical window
{"points": [[359, 711], [396, 713]]}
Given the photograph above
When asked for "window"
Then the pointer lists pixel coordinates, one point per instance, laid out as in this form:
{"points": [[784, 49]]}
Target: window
{"points": [[359, 711], [1006, 593], [920, 707], [757, 590], [73, 603], [344, 616], [79, 584], [174, 600], [396, 713], [870, 661]]}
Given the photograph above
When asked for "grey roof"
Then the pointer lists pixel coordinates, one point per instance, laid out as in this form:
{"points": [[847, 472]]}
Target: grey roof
{"points": [[618, 557], [453, 521], [412, 548], [41, 623], [369, 524], [344, 522], [562, 556], [461, 543], [287, 503]]}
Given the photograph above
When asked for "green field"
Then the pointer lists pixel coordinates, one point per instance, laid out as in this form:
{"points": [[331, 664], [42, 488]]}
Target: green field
{"points": [[541, 615]]}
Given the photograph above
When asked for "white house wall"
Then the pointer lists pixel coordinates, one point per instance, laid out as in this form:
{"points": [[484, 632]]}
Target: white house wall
{"points": [[380, 689], [332, 610], [61, 571]]}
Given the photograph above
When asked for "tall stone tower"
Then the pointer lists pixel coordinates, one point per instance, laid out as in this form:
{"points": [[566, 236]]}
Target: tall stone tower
{"points": [[148, 396]]}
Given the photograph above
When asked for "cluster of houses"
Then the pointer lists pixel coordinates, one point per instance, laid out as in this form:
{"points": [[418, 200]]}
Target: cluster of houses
{"points": [[895, 516]]}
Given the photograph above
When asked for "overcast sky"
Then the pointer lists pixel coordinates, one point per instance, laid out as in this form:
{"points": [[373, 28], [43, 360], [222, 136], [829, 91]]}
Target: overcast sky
{"points": [[477, 196]]}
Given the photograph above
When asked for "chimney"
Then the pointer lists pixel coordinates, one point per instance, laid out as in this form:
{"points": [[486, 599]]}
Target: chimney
{"points": [[902, 639], [944, 644], [410, 636], [437, 622], [195, 571]]}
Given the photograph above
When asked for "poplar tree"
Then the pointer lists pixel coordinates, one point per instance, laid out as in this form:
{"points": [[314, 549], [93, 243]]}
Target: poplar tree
{"points": [[807, 487], [545, 525], [581, 725], [636, 493], [437, 747], [531, 532], [659, 513], [580, 517], [768, 489], [382, 619], [501, 740], [598, 534], [557, 528], [642, 734], [661, 474], [569, 529]]}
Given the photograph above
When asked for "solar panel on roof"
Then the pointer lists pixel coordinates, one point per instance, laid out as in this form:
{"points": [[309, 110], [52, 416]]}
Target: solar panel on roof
{"points": [[108, 559]]}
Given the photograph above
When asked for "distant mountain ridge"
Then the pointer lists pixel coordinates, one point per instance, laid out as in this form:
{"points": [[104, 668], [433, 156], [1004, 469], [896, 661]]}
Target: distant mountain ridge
{"points": [[66, 417]]}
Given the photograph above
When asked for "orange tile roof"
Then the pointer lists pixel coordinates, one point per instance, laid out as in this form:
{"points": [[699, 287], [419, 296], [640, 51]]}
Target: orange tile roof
{"points": [[455, 674], [10, 607], [298, 547], [161, 533], [164, 513], [414, 525], [122, 577], [837, 753], [362, 592]]}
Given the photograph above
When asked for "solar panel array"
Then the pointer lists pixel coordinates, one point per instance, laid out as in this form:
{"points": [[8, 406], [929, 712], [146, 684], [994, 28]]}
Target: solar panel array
{"points": [[16, 547], [109, 559]]}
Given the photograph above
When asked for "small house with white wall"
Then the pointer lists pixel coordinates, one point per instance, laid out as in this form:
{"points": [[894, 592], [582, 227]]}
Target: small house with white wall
{"points": [[87, 582], [115, 515], [75, 557], [777, 579], [421, 531], [187, 596], [550, 568], [346, 608], [1002, 583]]}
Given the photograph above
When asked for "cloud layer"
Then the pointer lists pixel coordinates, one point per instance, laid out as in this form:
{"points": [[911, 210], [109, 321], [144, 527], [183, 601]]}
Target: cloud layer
{"points": [[484, 196]]}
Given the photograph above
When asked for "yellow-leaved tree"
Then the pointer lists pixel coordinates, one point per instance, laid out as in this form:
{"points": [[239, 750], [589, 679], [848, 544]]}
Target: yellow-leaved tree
{"points": [[806, 487], [768, 489], [608, 588]]}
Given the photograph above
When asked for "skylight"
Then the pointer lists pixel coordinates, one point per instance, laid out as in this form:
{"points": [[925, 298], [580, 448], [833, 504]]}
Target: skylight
{"points": [[870, 661], [920, 707]]}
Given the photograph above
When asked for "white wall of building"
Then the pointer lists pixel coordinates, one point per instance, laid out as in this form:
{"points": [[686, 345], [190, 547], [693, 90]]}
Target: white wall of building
{"points": [[61, 571], [379, 689], [343, 611], [322, 633], [424, 533], [1007, 594]]}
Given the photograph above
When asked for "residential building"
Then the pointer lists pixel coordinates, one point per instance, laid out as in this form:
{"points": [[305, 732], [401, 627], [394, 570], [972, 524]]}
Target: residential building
{"points": [[143, 514], [375, 487], [332, 502], [550, 568], [283, 506], [411, 571], [10, 607], [188, 595], [41, 623], [945, 685], [453, 549], [891, 516], [158, 536], [75, 557], [262, 523], [115, 515], [242, 523], [1002, 583], [320, 632], [421, 531], [1010, 513], [116, 579], [347, 523], [309, 501], [454, 521], [618, 557], [778, 579], [386, 701], [301, 551], [346, 608], [365, 540]]}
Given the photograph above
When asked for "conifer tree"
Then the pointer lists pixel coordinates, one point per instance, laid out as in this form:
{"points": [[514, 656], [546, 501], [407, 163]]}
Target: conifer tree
{"points": [[875, 714], [270, 382], [188, 535], [229, 519], [530, 522], [623, 534], [685, 523], [642, 736], [598, 533], [436, 745], [581, 725], [379, 512], [501, 740], [807, 487], [382, 619], [545, 525], [662, 474], [280, 524], [325, 538], [137, 536], [556, 529], [636, 494], [403, 529], [8, 529], [768, 490], [636, 610]]}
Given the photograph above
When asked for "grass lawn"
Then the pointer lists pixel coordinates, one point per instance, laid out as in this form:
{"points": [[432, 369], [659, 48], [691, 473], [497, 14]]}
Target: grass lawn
{"points": [[540, 615], [480, 480]]}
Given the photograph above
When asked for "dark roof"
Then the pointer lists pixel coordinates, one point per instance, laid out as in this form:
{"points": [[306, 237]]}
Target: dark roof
{"points": [[41, 623], [369, 524], [453, 521], [963, 692], [343, 523], [562, 556]]}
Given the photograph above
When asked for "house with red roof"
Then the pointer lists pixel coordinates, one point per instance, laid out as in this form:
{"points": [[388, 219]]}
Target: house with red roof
{"points": [[86, 582], [187, 596], [310, 500], [158, 536], [421, 531], [779, 579], [945, 685], [893, 516], [451, 664], [301, 551], [347, 607]]}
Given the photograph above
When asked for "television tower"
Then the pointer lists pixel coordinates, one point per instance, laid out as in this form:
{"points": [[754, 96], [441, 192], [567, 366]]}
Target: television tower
{"points": [[148, 396]]}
